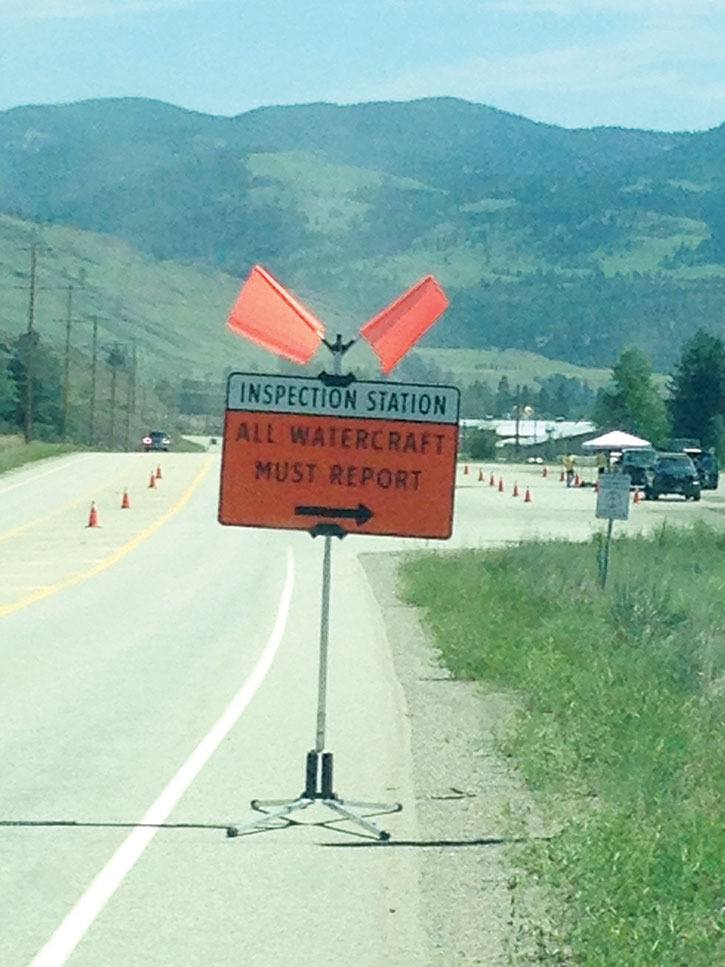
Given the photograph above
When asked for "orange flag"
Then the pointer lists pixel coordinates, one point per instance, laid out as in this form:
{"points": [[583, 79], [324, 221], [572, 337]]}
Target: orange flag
{"points": [[272, 318], [398, 328]]}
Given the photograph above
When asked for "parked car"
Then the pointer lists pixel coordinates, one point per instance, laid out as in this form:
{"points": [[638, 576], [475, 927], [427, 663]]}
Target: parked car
{"points": [[673, 473], [682, 444], [156, 440], [708, 470], [636, 463]]}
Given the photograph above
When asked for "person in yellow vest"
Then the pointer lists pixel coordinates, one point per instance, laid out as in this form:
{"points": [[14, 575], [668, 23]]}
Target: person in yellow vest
{"points": [[569, 469], [601, 461]]}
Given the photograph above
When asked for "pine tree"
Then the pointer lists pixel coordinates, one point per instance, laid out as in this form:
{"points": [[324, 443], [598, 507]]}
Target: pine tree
{"points": [[504, 397], [116, 359], [8, 399], [697, 389], [46, 384], [633, 403]]}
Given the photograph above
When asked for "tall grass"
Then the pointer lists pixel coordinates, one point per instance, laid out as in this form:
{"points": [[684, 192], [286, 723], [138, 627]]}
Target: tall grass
{"points": [[621, 719], [14, 454]]}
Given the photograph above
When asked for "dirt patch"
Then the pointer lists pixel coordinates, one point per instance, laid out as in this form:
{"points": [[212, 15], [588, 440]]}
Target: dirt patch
{"points": [[473, 811]]}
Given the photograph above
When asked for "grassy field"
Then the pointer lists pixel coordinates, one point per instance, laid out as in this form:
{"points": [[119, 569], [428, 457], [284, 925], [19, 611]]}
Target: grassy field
{"points": [[489, 365], [176, 311], [14, 453], [619, 733], [182, 444]]}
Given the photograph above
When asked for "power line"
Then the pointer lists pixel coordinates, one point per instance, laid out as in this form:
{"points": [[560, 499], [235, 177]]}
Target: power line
{"points": [[66, 361], [180, 303], [94, 368], [130, 394], [28, 423], [39, 288]]}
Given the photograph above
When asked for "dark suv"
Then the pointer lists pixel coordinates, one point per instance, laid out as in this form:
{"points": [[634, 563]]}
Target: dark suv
{"points": [[673, 473], [156, 440], [636, 463], [708, 469]]}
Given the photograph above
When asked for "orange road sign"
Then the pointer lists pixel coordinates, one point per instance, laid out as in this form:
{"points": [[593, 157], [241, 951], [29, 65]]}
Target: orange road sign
{"points": [[329, 455]]}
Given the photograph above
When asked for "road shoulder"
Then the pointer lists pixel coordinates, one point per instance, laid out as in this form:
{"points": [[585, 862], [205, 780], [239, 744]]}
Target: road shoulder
{"points": [[469, 802]]}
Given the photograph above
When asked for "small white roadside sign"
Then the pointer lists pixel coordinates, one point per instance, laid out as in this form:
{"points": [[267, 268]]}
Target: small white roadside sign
{"points": [[613, 496]]}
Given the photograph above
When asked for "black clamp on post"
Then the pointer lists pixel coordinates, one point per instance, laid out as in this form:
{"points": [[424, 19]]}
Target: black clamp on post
{"points": [[328, 530], [338, 348]]}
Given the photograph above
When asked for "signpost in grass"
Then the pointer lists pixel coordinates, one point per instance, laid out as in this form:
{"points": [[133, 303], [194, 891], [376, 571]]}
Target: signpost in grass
{"points": [[612, 504]]}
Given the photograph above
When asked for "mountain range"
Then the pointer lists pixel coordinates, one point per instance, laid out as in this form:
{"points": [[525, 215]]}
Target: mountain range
{"points": [[569, 243]]}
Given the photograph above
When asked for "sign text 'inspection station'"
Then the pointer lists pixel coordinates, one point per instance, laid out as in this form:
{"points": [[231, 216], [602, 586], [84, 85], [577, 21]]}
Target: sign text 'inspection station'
{"points": [[296, 440]]}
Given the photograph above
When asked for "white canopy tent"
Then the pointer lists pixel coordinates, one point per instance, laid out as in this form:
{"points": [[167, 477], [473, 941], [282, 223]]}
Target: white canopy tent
{"points": [[617, 440]]}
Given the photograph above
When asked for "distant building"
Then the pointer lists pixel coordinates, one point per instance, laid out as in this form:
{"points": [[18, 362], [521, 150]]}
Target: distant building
{"points": [[539, 437]]}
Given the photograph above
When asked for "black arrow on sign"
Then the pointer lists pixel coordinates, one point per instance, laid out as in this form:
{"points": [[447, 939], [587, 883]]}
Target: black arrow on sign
{"points": [[360, 514]]}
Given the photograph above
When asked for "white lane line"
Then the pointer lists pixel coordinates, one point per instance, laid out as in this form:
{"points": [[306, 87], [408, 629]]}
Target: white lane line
{"points": [[31, 478], [75, 926]]}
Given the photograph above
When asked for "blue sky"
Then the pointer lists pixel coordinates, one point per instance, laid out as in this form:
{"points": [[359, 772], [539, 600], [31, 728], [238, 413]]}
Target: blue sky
{"points": [[640, 63]]}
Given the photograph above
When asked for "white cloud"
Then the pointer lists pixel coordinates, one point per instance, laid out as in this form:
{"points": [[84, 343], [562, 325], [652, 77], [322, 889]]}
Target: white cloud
{"points": [[680, 65], [658, 9], [83, 9]]}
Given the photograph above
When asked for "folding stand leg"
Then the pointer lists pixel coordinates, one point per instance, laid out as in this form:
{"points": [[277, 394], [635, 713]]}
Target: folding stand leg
{"points": [[283, 807], [339, 806], [374, 807], [255, 825]]}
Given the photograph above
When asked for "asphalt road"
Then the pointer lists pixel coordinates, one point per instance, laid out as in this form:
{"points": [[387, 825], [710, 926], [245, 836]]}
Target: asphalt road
{"points": [[162, 669]]}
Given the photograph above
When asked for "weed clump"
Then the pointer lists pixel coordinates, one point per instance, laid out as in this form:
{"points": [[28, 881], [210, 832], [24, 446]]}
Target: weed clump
{"points": [[622, 714]]}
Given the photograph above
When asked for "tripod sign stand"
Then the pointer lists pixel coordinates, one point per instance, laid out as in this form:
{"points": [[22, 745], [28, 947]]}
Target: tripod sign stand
{"points": [[319, 786]]}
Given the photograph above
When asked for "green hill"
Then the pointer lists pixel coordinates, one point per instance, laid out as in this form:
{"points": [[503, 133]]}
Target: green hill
{"points": [[177, 312], [570, 244]]}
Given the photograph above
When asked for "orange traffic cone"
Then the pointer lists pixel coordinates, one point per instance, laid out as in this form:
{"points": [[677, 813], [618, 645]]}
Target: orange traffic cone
{"points": [[158, 472], [125, 502], [636, 498], [561, 477], [527, 497], [152, 481], [545, 472], [500, 485], [515, 492], [480, 475], [577, 481], [93, 516], [492, 481]]}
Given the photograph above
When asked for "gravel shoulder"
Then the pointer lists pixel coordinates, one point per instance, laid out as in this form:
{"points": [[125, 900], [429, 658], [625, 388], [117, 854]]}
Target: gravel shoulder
{"points": [[472, 809]]}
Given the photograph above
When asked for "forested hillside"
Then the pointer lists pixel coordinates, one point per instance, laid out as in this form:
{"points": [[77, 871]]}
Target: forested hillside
{"points": [[567, 243]]}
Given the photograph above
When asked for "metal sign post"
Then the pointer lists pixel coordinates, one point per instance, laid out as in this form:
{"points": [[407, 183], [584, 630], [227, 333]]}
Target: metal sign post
{"points": [[612, 504], [411, 497]]}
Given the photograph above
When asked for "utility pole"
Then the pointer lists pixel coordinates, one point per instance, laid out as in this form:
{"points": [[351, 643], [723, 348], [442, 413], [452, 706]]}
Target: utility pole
{"points": [[131, 397], [518, 417], [66, 360], [134, 360], [113, 407], [116, 359], [28, 429], [94, 370]]}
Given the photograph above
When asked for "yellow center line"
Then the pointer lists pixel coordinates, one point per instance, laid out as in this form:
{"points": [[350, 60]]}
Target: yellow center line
{"points": [[88, 495], [80, 576]]}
